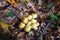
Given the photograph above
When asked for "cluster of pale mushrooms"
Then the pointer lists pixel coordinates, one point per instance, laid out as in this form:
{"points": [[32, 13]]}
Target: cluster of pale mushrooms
{"points": [[29, 22]]}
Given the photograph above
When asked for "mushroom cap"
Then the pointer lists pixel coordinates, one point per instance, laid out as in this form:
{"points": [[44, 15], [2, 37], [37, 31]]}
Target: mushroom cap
{"points": [[35, 28], [37, 23], [29, 17], [24, 20], [34, 15], [33, 25], [33, 20], [27, 28], [21, 25], [29, 23]]}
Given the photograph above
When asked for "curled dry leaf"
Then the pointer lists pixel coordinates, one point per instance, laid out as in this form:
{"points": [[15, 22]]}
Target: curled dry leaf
{"points": [[21, 34]]}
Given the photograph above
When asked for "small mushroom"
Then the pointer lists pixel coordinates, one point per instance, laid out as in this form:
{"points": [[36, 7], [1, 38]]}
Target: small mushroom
{"points": [[34, 15], [37, 23], [27, 28], [29, 23], [34, 26], [21, 25], [33, 20], [24, 20], [29, 17]]}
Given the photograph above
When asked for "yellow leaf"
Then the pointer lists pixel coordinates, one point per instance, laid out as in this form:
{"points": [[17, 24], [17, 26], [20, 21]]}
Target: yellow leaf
{"points": [[4, 26], [10, 1], [27, 0]]}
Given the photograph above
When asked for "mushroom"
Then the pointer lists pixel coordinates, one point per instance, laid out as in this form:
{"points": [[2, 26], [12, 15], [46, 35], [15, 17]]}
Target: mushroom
{"points": [[24, 20], [33, 20], [33, 26], [37, 23], [27, 28], [21, 25], [34, 15], [29, 23], [29, 17]]}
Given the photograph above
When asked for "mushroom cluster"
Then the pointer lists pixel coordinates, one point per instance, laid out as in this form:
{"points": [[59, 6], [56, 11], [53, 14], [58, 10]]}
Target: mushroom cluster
{"points": [[29, 22]]}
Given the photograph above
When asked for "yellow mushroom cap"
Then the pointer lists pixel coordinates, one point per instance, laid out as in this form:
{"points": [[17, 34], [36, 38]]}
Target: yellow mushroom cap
{"points": [[21, 25], [34, 15], [33, 25], [29, 23], [24, 20], [27, 28], [33, 20], [37, 23], [29, 17], [35, 28]]}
